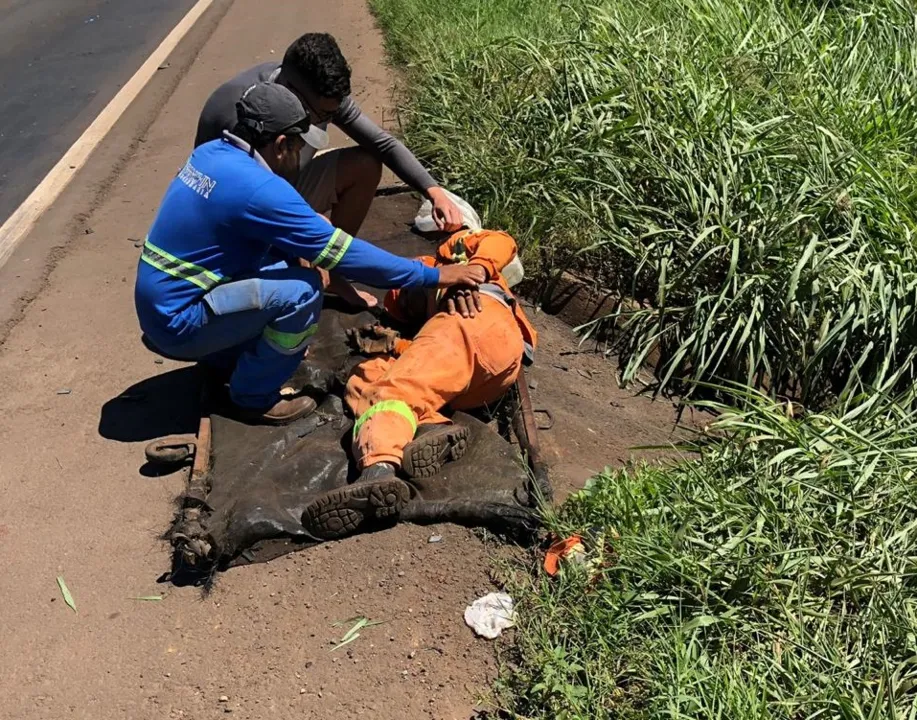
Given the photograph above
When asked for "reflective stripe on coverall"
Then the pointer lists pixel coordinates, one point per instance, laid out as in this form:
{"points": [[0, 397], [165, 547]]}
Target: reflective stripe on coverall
{"points": [[225, 213], [461, 362]]}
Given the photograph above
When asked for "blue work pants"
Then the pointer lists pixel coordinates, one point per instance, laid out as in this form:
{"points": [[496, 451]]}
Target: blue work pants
{"points": [[260, 327]]}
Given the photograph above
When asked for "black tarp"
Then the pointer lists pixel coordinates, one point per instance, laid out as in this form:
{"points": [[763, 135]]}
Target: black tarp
{"points": [[249, 506]]}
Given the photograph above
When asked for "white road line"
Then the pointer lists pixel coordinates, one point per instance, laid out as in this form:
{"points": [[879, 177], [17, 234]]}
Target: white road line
{"points": [[17, 226]]}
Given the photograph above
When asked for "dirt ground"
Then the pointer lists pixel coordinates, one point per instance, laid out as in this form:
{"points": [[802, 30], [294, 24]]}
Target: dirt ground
{"points": [[77, 502]]}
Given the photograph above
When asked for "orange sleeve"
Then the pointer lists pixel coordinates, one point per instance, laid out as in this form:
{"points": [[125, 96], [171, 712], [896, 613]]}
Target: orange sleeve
{"points": [[391, 302], [491, 249], [444, 251]]}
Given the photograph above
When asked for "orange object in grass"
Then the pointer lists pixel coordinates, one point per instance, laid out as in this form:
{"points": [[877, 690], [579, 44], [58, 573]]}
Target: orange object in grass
{"points": [[558, 551]]}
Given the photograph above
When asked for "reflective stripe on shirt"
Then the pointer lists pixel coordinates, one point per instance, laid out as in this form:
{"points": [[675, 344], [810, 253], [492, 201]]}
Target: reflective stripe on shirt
{"points": [[334, 250], [177, 268]]}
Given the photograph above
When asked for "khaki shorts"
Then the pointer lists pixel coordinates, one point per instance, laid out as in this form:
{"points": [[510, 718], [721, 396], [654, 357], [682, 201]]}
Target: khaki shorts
{"points": [[318, 180]]}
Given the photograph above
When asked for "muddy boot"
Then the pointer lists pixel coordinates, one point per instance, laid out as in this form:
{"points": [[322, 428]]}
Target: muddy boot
{"points": [[432, 447], [283, 412], [376, 494]]}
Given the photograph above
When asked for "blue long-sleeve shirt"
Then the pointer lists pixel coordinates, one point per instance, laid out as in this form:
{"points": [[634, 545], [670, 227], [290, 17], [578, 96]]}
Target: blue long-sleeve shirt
{"points": [[219, 218]]}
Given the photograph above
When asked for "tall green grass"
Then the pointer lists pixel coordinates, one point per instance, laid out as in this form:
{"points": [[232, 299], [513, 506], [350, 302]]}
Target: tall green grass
{"points": [[743, 170], [772, 577]]}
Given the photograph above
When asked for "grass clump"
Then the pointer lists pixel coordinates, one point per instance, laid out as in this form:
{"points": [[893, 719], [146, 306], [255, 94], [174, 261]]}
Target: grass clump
{"points": [[771, 577], [743, 170]]}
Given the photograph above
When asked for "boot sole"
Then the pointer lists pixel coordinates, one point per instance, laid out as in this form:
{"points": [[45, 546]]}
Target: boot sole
{"points": [[343, 511], [426, 455]]}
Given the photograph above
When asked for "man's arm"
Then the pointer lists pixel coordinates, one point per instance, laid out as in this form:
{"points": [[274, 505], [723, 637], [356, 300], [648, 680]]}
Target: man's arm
{"points": [[399, 159], [277, 216], [389, 150], [491, 249]]}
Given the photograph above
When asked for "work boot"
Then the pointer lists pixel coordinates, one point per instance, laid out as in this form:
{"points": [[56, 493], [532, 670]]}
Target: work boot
{"points": [[432, 447], [376, 494], [283, 412]]}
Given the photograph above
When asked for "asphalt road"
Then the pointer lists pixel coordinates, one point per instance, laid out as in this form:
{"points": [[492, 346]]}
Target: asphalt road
{"points": [[61, 61]]}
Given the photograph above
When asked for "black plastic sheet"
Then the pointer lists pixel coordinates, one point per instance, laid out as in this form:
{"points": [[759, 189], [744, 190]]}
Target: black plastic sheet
{"points": [[262, 478]]}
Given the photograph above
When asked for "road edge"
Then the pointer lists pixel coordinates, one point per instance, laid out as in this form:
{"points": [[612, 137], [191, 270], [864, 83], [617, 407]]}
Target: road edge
{"points": [[23, 218], [84, 187]]}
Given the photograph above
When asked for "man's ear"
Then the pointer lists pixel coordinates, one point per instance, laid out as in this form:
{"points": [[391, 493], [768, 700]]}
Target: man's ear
{"points": [[280, 144]]}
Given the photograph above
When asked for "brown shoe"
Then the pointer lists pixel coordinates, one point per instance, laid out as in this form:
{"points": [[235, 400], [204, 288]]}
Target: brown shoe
{"points": [[284, 411], [376, 494], [432, 447]]}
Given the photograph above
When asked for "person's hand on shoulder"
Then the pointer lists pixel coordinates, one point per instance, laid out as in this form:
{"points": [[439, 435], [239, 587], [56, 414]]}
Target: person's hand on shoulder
{"points": [[465, 275], [463, 301]]}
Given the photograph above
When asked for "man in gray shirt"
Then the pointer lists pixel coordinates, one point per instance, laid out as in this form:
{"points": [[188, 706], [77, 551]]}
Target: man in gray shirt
{"points": [[340, 184]]}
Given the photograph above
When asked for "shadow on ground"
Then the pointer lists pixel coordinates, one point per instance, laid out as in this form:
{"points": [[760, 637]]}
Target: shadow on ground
{"points": [[166, 404]]}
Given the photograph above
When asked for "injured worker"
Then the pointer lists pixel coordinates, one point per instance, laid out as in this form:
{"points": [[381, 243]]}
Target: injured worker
{"points": [[397, 397], [206, 289]]}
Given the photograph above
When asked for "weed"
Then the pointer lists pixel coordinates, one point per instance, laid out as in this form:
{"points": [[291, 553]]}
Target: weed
{"points": [[743, 170], [770, 577]]}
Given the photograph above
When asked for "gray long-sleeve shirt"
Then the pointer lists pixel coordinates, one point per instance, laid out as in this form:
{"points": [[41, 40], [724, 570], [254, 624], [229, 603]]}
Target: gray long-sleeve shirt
{"points": [[219, 114]]}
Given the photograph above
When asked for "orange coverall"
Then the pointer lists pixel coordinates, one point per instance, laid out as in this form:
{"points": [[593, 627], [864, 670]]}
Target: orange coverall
{"points": [[461, 362]]}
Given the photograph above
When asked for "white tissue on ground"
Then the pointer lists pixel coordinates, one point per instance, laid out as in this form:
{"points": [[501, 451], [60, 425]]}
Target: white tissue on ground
{"points": [[490, 615]]}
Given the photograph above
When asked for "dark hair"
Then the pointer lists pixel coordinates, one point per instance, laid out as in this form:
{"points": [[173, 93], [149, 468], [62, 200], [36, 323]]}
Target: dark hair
{"points": [[318, 59], [256, 139]]}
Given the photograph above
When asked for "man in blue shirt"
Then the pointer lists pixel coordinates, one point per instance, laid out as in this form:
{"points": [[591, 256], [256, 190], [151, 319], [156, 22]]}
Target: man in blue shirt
{"points": [[207, 287]]}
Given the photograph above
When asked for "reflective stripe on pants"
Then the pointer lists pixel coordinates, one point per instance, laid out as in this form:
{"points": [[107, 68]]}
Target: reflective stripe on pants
{"points": [[260, 326], [393, 406], [461, 362]]}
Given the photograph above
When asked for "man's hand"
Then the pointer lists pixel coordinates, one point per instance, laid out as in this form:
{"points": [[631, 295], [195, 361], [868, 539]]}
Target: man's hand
{"points": [[372, 339], [322, 274], [467, 275], [446, 214], [464, 301]]}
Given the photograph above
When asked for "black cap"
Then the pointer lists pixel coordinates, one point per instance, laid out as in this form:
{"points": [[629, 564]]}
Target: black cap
{"points": [[271, 109]]}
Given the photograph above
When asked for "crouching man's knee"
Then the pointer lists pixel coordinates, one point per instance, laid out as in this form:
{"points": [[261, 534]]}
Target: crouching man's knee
{"points": [[359, 168]]}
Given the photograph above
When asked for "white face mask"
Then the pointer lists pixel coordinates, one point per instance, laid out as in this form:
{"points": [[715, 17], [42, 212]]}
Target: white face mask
{"points": [[316, 139]]}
